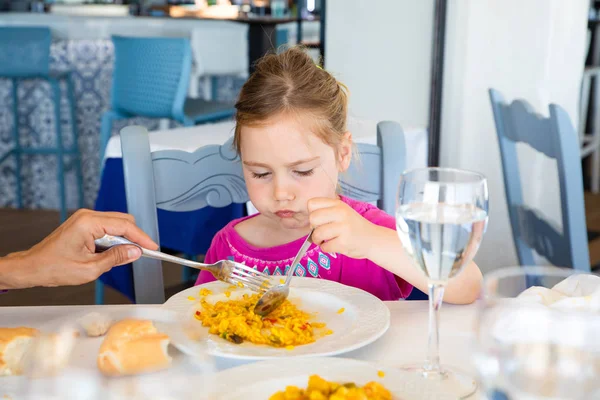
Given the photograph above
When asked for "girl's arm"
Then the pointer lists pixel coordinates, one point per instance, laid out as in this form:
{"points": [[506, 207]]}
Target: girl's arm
{"points": [[341, 229], [385, 250]]}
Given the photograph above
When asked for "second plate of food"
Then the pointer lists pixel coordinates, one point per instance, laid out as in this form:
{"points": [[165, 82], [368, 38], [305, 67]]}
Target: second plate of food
{"points": [[320, 318], [319, 378]]}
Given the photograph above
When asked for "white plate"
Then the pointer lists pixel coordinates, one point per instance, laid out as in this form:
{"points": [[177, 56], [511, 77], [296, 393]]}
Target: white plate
{"points": [[261, 380], [364, 320]]}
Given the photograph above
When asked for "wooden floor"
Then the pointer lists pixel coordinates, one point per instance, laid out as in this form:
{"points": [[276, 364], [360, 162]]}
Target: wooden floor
{"points": [[21, 229]]}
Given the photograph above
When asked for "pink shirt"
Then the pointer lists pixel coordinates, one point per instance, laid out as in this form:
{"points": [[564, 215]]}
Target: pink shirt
{"points": [[362, 274]]}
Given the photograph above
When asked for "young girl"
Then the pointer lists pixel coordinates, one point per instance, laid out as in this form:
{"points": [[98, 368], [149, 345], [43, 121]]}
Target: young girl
{"points": [[292, 139]]}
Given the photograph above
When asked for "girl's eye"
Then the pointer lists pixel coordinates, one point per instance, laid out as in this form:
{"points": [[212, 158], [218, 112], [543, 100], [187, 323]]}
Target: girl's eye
{"points": [[260, 176], [305, 173]]}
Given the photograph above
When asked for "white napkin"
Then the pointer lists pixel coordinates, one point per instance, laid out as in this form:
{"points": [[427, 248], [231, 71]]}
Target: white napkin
{"points": [[541, 295], [579, 292], [533, 322]]}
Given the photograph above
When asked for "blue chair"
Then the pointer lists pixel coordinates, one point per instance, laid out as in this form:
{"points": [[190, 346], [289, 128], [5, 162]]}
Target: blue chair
{"points": [[150, 79], [212, 176], [25, 54], [556, 138]]}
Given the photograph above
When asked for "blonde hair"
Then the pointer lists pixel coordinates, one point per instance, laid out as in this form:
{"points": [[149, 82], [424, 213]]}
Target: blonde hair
{"points": [[290, 82]]}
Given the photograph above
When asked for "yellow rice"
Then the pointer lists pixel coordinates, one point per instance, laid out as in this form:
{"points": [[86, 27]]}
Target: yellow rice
{"points": [[235, 321], [320, 389]]}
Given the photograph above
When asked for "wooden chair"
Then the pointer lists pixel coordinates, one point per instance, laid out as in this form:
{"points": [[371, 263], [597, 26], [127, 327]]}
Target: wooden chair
{"points": [[556, 138]]}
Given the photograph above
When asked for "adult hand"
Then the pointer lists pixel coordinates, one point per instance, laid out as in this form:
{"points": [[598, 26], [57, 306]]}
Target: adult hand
{"points": [[67, 256]]}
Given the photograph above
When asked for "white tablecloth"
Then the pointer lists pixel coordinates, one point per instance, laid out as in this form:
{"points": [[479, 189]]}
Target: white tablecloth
{"points": [[404, 342]]}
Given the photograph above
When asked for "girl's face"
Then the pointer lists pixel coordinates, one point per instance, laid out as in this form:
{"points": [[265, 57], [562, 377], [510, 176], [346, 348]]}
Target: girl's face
{"points": [[285, 165]]}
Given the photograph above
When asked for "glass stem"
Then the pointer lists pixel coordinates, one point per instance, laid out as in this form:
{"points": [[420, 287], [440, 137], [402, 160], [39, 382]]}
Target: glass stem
{"points": [[436, 294]]}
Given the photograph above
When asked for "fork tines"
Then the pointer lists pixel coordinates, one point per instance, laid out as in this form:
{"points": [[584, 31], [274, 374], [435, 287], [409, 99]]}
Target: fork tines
{"points": [[249, 277]]}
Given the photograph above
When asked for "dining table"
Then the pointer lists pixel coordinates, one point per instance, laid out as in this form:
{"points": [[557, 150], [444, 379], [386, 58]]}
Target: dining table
{"points": [[404, 342]]}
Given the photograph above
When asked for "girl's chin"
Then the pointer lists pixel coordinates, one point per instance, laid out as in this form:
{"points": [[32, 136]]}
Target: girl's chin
{"points": [[292, 223]]}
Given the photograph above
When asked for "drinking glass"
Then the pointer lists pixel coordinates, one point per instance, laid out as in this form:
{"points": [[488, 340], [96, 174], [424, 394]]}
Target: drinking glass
{"points": [[441, 216], [540, 345]]}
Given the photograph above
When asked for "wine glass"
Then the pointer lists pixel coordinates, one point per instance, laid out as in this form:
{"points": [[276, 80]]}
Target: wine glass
{"points": [[441, 216], [538, 345]]}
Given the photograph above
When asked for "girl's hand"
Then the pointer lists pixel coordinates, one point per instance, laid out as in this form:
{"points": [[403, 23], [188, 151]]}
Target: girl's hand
{"points": [[340, 229]]}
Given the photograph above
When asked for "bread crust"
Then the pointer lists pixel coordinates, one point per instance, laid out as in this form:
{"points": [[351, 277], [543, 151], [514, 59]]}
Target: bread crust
{"points": [[133, 346], [14, 343]]}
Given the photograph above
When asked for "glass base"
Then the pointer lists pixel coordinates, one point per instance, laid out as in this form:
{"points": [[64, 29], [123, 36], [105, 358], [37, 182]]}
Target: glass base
{"points": [[444, 383]]}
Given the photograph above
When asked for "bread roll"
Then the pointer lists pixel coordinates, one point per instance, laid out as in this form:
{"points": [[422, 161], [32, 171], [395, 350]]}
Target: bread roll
{"points": [[52, 352], [14, 343], [133, 346], [95, 324]]}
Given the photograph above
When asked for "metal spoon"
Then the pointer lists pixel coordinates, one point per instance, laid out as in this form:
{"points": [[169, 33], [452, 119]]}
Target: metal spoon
{"points": [[277, 294]]}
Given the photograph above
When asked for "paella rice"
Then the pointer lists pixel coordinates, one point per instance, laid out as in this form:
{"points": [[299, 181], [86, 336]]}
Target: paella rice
{"points": [[321, 389], [235, 321]]}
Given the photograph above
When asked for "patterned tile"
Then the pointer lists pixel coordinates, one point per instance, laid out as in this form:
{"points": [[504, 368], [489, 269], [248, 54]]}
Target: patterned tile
{"points": [[91, 64]]}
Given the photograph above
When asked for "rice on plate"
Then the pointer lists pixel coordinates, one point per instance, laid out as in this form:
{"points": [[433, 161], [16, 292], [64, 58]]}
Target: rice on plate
{"points": [[233, 319]]}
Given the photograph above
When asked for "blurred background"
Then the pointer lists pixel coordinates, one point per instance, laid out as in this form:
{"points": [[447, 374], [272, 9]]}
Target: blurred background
{"points": [[425, 64]]}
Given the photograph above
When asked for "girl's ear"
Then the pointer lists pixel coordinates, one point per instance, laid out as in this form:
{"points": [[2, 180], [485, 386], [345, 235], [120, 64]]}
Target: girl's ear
{"points": [[345, 152]]}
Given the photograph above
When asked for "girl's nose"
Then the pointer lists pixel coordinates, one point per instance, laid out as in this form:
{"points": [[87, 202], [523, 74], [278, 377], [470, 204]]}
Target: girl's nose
{"points": [[283, 191]]}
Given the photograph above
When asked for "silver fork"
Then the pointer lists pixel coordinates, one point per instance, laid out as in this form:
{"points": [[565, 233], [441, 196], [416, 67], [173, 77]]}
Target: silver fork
{"points": [[275, 296], [225, 270]]}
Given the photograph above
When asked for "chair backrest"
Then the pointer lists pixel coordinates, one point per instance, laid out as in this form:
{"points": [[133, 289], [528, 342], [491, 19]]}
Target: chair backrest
{"points": [[556, 138], [151, 76], [212, 176], [220, 48], [24, 51]]}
